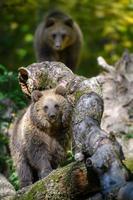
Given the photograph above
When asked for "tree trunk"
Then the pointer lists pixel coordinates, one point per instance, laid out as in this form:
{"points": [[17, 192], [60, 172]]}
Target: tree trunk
{"points": [[117, 90], [70, 182]]}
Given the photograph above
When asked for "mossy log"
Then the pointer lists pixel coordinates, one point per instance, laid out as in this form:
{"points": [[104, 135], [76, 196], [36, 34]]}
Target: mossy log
{"points": [[69, 182]]}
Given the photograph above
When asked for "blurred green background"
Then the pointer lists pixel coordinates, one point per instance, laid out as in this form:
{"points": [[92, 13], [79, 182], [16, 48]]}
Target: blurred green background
{"points": [[107, 27]]}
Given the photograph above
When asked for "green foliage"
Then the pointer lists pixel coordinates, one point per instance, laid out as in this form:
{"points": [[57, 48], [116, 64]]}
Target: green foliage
{"points": [[3, 156], [9, 87], [6, 164], [107, 27], [129, 135], [69, 159], [13, 178]]}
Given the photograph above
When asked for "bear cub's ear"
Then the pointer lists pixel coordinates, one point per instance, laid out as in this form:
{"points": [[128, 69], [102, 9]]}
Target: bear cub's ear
{"points": [[35, 96], [61, 90]]}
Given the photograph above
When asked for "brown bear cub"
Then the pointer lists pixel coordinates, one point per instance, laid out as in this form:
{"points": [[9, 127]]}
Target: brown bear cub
{"points": [[58, 38], [39, 139]]}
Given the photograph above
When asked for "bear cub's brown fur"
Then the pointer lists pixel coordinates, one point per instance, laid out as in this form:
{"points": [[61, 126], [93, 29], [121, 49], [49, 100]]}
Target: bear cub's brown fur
{"points": [[58, 38], [39, 140]]}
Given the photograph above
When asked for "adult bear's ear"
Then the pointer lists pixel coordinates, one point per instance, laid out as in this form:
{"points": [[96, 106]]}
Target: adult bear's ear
{"points": [[35, 95], [69, 22], [61, 90], [49, 22]]}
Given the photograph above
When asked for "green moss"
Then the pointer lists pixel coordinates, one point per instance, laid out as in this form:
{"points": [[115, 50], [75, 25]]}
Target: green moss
{"points": [[48, 188], [129, 163], [78, 94], [129, 136], [34, 193]]}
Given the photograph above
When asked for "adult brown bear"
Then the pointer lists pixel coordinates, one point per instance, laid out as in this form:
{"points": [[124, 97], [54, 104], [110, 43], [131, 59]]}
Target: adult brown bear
{"points": [[58, 38]]}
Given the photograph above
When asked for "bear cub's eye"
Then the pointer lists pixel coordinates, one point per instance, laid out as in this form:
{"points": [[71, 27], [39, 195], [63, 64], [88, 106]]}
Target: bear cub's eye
{"points": [[54, 35], [63, 35], [56, 106], [45, 108]]}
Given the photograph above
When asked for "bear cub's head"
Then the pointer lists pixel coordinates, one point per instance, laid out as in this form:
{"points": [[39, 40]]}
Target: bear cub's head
{"points": [[48, 106]]}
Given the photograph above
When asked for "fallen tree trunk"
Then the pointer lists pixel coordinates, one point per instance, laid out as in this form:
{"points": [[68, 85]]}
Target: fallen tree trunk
{"points": [[70, 182], [117, 90]]}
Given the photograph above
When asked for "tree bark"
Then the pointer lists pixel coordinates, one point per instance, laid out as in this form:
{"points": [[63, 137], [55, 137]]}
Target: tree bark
{"points": [[6, 189], [70, 182], [117, 90]]}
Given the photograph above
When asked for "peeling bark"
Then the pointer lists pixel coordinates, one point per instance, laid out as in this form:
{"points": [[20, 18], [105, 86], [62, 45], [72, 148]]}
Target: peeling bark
{"points": [[117, 89]]}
